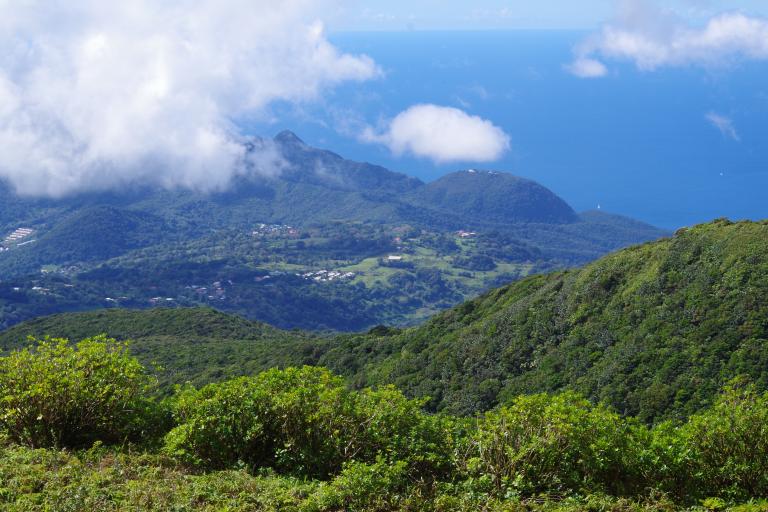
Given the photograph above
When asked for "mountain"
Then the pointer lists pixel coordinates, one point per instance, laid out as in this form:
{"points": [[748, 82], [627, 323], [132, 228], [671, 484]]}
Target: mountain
{"points": [[654, 330], [488, 196], [316, 186], [327, 169], [397, 249]]}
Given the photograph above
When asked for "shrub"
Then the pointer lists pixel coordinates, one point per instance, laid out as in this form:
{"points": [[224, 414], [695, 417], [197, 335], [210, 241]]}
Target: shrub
{"points": [[728, 445], [303, 421], [286, 419], [668, 461], [389, 424], [555, 444], [219, 425], [58, 395]]}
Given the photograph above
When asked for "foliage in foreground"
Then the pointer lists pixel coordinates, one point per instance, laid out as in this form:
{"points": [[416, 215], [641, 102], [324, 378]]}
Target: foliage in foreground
{"points": [[541, 443], [111, 480], [70, 396], [305, 422], [299, 439]]}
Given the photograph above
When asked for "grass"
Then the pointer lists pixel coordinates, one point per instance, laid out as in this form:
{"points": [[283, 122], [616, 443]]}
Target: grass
{"points": [[109, 479], [371, 273]]}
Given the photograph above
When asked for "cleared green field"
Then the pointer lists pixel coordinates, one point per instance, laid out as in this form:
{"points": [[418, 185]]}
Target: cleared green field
{"points": [[376, 272]]}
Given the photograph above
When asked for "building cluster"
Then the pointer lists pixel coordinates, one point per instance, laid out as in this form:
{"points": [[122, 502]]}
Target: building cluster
{"points": [[156, 301], [326, 276], [213, 292], [16, 238], [39, 287], [117, 300], [275, 230]]}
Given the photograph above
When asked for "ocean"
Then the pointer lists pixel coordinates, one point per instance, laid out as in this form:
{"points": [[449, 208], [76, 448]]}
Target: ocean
{"points": [[633, 143]]}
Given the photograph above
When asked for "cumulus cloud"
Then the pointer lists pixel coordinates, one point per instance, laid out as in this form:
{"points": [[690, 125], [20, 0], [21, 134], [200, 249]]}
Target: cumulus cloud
{"points": [[652, 38], [724, 124], [98, 94], [441, 134]]}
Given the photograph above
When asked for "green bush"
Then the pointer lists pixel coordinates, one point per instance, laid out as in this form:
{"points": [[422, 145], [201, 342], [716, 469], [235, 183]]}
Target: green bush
{"points": [[282, 419], [219, 425], [668, 462], [555, 444], [304, 421], [58, 395], [389, 424], [728, 445]]}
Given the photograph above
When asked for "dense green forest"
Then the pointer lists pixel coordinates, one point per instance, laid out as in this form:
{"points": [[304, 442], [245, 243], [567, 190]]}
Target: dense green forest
{"points": [[654, 331], [82, 428], [199, 346]]}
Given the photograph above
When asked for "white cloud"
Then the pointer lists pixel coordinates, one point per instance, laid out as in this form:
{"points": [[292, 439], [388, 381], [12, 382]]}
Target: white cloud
{"points": [[98, 94], [652, 38], [442, 134], [724, 124], [585, 67]]}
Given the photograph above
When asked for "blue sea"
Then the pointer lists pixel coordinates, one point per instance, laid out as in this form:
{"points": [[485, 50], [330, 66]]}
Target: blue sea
{"points": [[635, 143]]}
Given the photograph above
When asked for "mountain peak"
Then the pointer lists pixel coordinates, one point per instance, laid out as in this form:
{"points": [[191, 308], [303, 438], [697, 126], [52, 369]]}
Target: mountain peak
{"points": [[287, 137], [496, 196]]}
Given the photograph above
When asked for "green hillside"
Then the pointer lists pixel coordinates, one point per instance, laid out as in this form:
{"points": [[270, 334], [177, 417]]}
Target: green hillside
{"points": [[653, 330], [84, 429], [658, 330], [91, 234], [196, 345], [127, 324]]}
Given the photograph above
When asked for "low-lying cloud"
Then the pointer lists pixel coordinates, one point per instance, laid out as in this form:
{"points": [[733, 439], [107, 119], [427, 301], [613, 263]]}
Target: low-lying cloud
{"points": [[441, 134], [653, 38], [99, 94]]}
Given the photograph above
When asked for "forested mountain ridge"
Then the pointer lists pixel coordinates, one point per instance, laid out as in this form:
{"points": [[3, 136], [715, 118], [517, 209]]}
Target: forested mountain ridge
{"points": [[489, 196], [653, 330], [315, 186]]}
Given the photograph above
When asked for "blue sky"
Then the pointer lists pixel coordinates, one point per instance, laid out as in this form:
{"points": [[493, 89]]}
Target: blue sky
{"points": [[512, 14]]}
